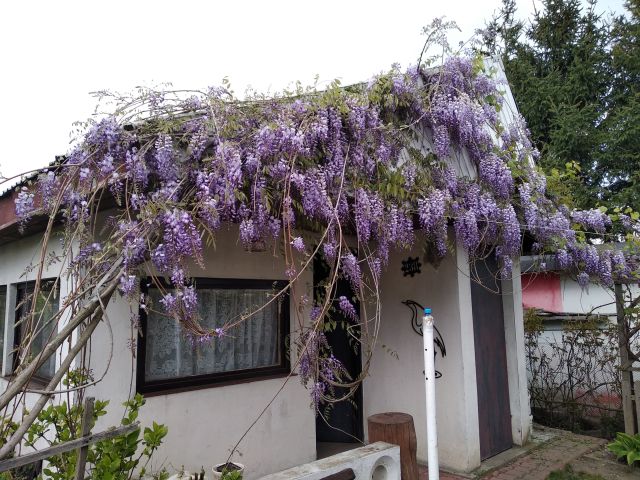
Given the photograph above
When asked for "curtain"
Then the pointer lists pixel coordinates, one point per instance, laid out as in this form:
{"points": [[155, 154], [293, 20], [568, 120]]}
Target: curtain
{"points": [[252, 344]]}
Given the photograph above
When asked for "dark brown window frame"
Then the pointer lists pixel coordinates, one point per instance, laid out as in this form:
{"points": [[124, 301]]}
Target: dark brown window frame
{"points": [[194, 382], [21, 290]]}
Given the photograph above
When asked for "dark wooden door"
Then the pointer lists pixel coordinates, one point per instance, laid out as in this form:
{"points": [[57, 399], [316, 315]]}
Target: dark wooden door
{"points": [[491, 359], [341, 422]]}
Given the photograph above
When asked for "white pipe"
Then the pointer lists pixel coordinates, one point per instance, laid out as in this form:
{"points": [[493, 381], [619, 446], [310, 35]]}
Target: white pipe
{"points": [[430, 374]]}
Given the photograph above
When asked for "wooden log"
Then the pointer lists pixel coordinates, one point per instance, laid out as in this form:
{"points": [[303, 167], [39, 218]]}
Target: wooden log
{"points": [[398, 429]]}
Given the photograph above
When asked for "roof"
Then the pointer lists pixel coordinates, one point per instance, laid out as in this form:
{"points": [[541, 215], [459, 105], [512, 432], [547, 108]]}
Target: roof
{"points": [[461, 163], [9, 186], [549, 263]]}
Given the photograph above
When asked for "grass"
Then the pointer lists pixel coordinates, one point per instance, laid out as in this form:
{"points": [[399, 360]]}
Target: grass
{"points": [[567, 473]]}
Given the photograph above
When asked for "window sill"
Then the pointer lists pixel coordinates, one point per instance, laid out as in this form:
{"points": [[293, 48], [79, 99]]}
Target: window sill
{"points": [[35, 383], [158, 390]]}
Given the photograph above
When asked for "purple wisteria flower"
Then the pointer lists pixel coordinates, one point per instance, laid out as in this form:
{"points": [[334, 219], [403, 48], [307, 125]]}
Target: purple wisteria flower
{"points": [[329, 250], [506, 268], [134, 247], [182, 303], [466, 227], [48, 188], [106, 165], [298, 244], [165, 161], [318, 389], [431, 212], [605, 268], [136, 167], [510, 230], [24, 204], [619, 265], [583, 279], [369, 211], [347, 308], [497, 175], [563, 258], [105, 134], [128, 285], [593, 219], [344, 165], [351, 270]]}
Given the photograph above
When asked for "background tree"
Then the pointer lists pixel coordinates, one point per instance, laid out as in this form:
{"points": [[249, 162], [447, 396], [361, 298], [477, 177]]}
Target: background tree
{"points": [[574, 75], [619, 155]]}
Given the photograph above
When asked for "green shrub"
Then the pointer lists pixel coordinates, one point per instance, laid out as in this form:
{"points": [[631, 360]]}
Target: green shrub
{"points": [[113, 459], [627, 446]]}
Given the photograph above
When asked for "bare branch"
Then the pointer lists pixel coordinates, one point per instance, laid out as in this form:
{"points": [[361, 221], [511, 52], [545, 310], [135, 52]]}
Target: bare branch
{"points": [[22, 379], [43, 399]]}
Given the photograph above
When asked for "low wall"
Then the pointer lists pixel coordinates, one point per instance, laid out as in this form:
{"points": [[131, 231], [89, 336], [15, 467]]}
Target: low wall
{"points": [[378, 461]]}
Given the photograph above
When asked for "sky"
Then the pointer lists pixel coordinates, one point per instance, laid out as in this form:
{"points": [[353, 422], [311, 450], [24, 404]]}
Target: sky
{"points": [[53, 54]]}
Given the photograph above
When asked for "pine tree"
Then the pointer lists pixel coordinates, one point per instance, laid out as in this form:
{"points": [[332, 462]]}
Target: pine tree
{"points": [[618, 161], [575, 76]]}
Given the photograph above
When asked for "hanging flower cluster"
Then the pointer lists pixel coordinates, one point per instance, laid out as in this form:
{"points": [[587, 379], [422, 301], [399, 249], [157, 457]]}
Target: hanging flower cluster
{"points": [[339, 163]]}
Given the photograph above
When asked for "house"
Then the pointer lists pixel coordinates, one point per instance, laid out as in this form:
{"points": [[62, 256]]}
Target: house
{"points": [[573, 353], [558, 297], [557, 292], [209, 401]]}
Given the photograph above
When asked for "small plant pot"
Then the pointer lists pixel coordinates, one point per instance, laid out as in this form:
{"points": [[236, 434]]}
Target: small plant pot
{"points": [[184, 476], [230, 466]]}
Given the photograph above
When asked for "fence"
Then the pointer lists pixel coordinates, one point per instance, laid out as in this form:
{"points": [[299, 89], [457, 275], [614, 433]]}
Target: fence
{"points": [[81, 444], [574, 375]]}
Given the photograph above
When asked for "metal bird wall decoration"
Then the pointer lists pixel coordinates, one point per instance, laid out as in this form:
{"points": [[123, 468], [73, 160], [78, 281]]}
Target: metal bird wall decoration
{"points": [[416, 324]]}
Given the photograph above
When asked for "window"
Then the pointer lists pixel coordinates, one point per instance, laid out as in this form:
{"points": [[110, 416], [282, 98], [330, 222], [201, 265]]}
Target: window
{"points": [[168, 360], [39, 329], [3, 313]]}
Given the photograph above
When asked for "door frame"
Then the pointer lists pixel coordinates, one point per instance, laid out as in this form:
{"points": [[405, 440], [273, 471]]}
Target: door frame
{"points": [[357, 397], [492, 441]]}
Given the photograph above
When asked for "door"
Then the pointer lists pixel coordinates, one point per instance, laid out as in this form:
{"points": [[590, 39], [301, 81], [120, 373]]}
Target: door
{"points": [[491, 359], [341, 422]]}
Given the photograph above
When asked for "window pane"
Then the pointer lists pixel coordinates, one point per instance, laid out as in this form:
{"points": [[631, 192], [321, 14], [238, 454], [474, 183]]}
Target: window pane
{"points": [[47, 305], [3, 312], [253, 344]]}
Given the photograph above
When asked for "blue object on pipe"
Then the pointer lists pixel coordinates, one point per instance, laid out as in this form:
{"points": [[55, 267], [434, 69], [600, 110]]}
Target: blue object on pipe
{"points": [[427, 311]]}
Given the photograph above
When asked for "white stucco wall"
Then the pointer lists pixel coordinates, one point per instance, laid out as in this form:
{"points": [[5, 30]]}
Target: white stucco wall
{"points": [[205, 424], [594, 299], [397, 384]]}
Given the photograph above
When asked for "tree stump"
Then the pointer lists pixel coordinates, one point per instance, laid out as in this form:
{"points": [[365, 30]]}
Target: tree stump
{"points": [[397, 428]]}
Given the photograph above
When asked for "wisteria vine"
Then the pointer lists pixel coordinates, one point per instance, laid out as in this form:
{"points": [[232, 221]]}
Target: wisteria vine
{"points": [[332, 173]]}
